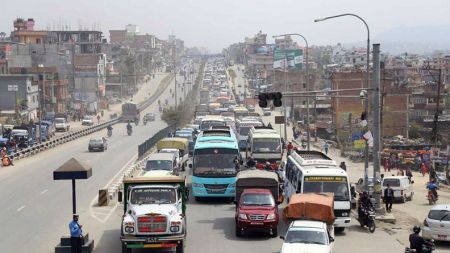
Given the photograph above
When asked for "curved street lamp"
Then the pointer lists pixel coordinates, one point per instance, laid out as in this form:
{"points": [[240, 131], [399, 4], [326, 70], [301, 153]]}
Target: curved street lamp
{"points": [[366, 102], [307, 81]]}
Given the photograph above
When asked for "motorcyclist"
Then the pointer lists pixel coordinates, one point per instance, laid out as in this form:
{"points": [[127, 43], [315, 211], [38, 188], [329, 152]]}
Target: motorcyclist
{"points": [[268, 166], [129, 127], [290, 147], [364, 204], [109, 127], [415, 240], [432, 186], [251, 163]]}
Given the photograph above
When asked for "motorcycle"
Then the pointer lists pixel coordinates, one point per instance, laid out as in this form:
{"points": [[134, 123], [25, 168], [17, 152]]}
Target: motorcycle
{"points": [[428, 247], [136, 122], [145, 122], [431, 198], [368, 219], [129, 131], [109, 132]]}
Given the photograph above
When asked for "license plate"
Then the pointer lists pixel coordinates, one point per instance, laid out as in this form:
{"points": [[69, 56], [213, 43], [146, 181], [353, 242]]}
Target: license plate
{"points": [[152, 239], [444, 237], [256, 223]]}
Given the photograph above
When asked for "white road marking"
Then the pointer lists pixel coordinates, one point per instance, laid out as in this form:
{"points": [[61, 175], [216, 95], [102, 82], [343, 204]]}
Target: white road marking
{"points": [[44, 191], [20, 208], [111, 211]]}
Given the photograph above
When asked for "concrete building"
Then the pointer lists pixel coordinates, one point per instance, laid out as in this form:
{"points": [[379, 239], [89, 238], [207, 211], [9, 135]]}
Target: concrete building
{"points": [[19, 98]]}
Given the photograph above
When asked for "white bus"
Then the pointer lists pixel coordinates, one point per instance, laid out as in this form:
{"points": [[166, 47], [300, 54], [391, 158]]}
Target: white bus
{"points": [[314, 172], [264, 145]]}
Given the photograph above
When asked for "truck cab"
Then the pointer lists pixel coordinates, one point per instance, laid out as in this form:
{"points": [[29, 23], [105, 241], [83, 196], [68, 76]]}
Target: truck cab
{"points": [[154, 213]]}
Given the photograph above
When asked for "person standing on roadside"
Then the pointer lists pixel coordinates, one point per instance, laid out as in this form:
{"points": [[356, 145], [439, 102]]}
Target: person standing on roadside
{"points": [[326, 146], [76, 235], [388, 198]]}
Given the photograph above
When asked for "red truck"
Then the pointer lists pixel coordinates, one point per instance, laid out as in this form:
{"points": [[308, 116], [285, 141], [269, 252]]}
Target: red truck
{"points": [[257, 199]]}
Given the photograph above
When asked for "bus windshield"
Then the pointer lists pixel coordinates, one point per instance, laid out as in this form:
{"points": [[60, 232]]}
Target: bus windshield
{"points": [[215, 162], [331, 184], [266, 145]]}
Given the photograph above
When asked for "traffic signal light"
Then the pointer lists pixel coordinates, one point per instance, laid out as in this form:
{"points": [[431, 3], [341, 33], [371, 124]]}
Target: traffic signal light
{"points": [[274, 96]]}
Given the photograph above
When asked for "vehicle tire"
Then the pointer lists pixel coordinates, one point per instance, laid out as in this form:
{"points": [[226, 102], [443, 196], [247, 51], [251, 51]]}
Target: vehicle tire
{"points": [[430, 201], [125, 249], [198, 199], [180, 247], [274, 233], [90, 150], [371, 227], [339, 229], [238, 232]]}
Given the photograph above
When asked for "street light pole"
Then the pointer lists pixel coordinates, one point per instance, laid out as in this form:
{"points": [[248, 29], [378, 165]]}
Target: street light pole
{"points": [[308, 138], [366, 102], [41, 113]]}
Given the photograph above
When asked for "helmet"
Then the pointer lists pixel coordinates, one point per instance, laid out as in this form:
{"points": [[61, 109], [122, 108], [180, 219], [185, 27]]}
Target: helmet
{"points": [[416, 229]]}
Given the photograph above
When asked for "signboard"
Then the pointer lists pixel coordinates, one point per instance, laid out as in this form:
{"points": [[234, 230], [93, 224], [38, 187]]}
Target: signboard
{"points": [[292, 57], [325, 179], [13, 87], [279, 119], [359, 144]]}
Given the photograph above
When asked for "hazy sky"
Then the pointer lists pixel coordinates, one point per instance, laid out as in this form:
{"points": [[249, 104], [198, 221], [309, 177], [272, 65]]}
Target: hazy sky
{"points": [[217, 23]]}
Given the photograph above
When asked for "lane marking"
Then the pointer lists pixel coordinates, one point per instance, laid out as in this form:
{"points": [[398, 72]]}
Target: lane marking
{"points": [[20, 208], [44, 191], [108, 214]]}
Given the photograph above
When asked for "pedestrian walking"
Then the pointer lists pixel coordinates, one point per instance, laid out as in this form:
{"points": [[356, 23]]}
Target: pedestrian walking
{"points": [[343, 166], [98, 119], [388, 198], [423, 169], [386, 164], [76, 235], [326, 146]]}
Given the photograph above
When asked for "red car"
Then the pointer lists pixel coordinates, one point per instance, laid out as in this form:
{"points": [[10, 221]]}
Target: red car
{"points": [[257, 210]]}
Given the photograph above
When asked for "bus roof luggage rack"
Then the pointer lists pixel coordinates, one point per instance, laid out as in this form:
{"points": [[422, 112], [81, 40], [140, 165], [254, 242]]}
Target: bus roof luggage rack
{"points": [[304, 157]]}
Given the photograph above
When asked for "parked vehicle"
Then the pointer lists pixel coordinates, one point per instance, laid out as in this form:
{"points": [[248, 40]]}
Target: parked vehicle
{"points": [[61, 125], [161, 164], [97, 144], [87, 121], [402, 187], [154, 213], [436, 225], [311, 218], [257, 199]]}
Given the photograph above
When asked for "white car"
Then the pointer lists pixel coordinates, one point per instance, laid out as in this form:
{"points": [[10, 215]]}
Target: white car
{"points": [[87, 121], [61, 125], [402, 187], [304, 236], [437, 225]]}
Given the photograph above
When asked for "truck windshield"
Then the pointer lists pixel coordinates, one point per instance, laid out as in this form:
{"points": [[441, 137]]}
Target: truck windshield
{"points": [[306, 237], [215, 162], [266, 145], [323, 184], [158, 165], [153, 196], [59, 121], [257, 199]]}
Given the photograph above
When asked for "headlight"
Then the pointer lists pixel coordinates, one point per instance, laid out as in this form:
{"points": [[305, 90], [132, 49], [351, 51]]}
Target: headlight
{"points": [[197, 185], [271, 216], [242, 216], [129, 229], [174, 229], [344, 214]]}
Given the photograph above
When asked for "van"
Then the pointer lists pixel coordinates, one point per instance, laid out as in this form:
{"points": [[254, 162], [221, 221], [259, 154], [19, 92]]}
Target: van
{"points": [[402, 187], [161, 164]]}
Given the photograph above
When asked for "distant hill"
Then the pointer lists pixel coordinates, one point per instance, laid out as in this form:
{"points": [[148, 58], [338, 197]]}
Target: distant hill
{"points": [[420, 39]]}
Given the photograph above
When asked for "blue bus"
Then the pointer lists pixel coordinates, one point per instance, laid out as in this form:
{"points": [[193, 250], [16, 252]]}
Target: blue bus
{"points": [[214, 171]]}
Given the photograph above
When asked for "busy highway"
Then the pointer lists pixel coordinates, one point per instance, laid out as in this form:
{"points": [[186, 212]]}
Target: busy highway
{"points": [[31, 192]]}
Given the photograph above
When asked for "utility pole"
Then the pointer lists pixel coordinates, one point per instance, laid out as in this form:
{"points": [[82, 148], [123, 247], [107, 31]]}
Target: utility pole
{"points": [[376, 123], [175, 72], [285, 100]]}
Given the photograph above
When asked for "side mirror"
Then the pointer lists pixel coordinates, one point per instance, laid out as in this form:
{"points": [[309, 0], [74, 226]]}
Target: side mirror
{"points": [[282, 237], [190, 165], [331, 239], [412, 181], [119, 197]]}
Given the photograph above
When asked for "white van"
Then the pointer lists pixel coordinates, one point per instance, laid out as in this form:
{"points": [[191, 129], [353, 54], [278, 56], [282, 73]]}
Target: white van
{"points": [[403, 189], [161, 164]]}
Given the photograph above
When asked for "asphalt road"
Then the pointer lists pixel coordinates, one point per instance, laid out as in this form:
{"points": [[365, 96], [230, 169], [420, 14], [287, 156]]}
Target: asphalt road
{"points": [[36, 210]]}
